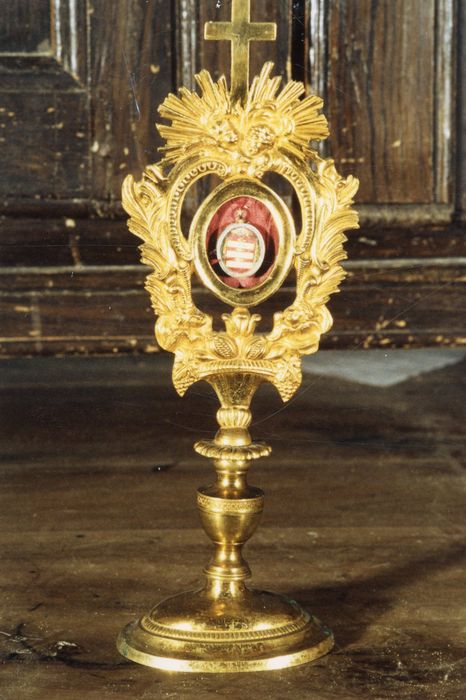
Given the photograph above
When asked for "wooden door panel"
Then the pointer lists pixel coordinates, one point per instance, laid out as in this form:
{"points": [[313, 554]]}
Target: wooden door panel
{"points": [[25, 26], [215, 55], [48, 151], [44, 101], [387, 69], [133, 64], [196, 54], [381, 57], [80, 82]]}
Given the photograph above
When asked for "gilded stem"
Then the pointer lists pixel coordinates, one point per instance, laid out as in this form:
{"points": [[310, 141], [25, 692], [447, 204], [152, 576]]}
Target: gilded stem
{"points": [[230, 508]]}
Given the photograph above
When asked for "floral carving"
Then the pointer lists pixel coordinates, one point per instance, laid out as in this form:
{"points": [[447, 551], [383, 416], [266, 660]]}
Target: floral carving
{"points": [[211, 124], [270, 132]]}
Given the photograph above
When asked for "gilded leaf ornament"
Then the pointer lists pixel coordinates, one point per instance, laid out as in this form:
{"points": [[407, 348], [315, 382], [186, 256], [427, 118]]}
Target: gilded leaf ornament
{"points": [[243, 244], [210, 133], [212, 125]]}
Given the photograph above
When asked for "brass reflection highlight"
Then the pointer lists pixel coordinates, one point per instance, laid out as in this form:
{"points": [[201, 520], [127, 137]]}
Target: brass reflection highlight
{"points": [[238, 135]]}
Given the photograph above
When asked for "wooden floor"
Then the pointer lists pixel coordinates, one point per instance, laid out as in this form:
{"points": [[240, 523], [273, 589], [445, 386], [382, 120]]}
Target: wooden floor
{"points": [[364, 524]]}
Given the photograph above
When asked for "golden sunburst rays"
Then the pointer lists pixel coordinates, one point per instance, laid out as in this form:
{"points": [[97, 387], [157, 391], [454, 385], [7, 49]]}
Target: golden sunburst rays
{"points": [[300, 120], [190, 114], [268, 120]]}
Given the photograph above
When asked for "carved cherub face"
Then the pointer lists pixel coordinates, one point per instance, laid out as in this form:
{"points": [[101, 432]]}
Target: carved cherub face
{"points": [[267, 120], [265, 128], [249, 133], [224, 130]]}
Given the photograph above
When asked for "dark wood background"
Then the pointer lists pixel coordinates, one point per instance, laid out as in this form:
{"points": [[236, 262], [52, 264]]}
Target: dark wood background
{"points": [[79, 86]]}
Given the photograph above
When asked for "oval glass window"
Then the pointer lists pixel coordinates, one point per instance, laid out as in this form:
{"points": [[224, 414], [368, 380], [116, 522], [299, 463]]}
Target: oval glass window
{"points": [[243, 241]]}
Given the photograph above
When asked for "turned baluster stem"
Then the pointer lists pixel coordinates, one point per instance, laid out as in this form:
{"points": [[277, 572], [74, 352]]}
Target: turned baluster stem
{"points": [[230, 509]]}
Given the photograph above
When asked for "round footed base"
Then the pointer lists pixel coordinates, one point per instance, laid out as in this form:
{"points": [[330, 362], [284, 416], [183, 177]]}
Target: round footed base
{"points": [[192, 632]]}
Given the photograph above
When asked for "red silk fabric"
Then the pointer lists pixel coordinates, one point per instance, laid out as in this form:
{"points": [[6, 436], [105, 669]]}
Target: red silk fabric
{"points": [[259, 216]]}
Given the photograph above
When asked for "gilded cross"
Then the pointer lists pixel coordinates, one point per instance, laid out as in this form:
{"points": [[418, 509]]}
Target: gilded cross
{"points": [[240, 31]]}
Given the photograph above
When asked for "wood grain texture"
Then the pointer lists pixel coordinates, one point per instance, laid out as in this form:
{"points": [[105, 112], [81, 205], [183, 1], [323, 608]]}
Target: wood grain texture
{"points": [[44, 106], [82, 310], [387, 70], [25, 27], [461, 115], [90, 297], [49, 160], [215, 55], [363, 524], [33, 242], [132, 71], [380, 91], [76, 119], [445, 87]]}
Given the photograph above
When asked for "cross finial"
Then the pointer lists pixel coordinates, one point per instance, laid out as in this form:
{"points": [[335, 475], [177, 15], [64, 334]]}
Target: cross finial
{"points": [[240, 31]]}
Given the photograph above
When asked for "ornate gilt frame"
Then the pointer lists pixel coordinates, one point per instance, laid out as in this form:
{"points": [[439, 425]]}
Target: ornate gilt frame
{"points": [[286, 241], [211, 134], [239, 135]]}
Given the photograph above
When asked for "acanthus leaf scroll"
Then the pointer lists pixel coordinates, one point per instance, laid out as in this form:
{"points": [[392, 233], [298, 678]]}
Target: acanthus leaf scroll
{"points": [[211, 134]]}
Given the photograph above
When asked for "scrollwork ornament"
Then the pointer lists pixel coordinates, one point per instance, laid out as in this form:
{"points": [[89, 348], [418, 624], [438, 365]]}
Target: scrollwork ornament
{"points": [[210, 135], [242, 244]]}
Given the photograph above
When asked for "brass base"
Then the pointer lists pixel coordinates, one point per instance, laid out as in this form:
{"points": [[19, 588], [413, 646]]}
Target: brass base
{"points": [[196, 632]]}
